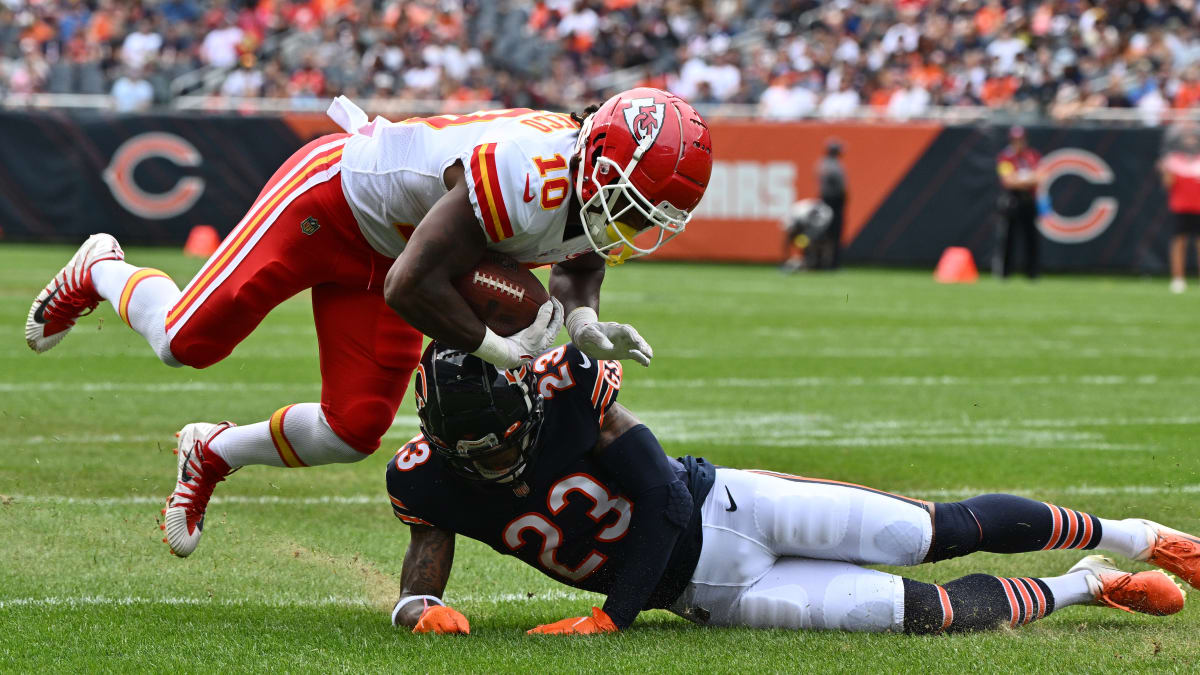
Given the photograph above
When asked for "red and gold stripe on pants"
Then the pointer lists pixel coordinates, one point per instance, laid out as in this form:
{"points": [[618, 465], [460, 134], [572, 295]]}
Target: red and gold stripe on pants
{"points": [[255, 220]]}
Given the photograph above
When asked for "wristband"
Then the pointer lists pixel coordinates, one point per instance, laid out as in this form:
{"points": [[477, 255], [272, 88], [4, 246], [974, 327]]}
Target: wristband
{"points": [[578, 318], [496, 350], [400, 605]]}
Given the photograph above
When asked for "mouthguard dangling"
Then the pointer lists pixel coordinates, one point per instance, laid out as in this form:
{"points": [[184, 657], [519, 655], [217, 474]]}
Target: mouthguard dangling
{"points": [[619, 231]]}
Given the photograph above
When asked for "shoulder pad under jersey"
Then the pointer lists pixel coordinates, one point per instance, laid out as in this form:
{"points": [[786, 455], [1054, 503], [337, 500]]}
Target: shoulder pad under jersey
{"points": [[413, 456], [595, 383], [518, 184]]}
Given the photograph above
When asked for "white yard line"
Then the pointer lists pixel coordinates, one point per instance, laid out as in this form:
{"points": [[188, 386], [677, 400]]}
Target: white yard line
{"points": [[381, 499], [403, 429], [806, 431], [157, 500], [774, 429], [1073, 490], [74, 602], [153, 387], [1096, 380], [130, 600]]}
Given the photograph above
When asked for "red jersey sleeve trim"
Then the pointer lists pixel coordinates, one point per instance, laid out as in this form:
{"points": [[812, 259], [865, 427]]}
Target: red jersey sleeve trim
{"points": [[488, 194]]}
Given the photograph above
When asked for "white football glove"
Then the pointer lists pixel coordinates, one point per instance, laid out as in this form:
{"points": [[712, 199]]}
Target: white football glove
{"points": [[606, 339], [522, 346]]}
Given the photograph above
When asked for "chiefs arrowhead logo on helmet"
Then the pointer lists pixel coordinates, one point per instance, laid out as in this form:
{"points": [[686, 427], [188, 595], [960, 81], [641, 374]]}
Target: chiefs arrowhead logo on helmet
{"points": [[644, 117], [644, 160]]}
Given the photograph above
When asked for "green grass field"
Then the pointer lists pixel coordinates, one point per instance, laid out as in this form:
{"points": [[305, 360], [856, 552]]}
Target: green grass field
{"points": [[1074, 390]]}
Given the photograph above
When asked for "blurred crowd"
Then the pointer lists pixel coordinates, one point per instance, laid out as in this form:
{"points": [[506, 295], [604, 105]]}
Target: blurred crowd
{"points": [[789, 58], [1060, 58]]}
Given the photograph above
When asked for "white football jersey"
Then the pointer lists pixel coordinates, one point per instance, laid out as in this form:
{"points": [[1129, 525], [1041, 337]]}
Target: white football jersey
{"points": [[516, 164]]}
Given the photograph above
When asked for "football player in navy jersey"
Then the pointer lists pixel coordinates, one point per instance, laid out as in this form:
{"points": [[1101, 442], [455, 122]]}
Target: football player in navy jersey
{"points": [[543, 464]]}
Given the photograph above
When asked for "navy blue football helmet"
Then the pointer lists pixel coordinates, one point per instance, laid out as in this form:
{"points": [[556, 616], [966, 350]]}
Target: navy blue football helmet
{"points": [[484, 421]]}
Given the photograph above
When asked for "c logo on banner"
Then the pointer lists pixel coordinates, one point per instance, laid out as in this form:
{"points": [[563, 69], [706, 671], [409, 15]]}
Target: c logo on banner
{"points": [[1099, 215], [154, 205]]}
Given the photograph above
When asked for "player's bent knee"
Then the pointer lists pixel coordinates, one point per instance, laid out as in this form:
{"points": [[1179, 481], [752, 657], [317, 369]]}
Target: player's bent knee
{"points": [[193, 353], [861, 602], [902, 542], [162, 349], [782, 607], [855, 599], [958, 531], [361, 425]]}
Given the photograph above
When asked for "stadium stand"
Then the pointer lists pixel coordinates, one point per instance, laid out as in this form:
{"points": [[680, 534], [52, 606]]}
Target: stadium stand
{"points": [[784, 59]]}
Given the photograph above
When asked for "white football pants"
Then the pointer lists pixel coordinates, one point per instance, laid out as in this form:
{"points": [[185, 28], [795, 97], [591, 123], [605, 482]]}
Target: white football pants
{"points": [[777, 553]]}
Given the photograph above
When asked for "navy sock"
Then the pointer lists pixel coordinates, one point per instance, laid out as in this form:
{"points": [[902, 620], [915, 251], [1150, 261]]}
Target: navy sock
{"points": [[974, 602], [1001, 523]]}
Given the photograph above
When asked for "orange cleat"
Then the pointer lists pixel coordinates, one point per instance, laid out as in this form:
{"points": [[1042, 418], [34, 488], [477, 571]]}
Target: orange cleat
{"points": [[1176, 552], [1152, 592]]}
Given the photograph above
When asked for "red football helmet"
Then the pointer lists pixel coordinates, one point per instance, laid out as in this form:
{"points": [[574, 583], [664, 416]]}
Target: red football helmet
{"points": [[644, 150]]}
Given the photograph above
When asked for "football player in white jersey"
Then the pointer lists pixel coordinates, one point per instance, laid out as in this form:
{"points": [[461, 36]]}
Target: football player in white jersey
{"points": [[376, 222]]}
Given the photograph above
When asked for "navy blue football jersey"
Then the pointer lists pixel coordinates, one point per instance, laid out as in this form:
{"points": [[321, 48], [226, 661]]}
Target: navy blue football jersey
{"points": [[574, 519]]}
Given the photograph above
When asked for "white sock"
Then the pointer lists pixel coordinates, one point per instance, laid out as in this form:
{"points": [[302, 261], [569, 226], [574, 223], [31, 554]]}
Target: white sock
{"points": [[1069, 589], [142, 296], [247, 444], [295, 436], [1130, 537]]}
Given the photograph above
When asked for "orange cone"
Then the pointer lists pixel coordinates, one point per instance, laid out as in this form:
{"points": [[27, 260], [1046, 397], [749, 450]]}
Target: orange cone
{"points": [[202, 242], [956, 267]]}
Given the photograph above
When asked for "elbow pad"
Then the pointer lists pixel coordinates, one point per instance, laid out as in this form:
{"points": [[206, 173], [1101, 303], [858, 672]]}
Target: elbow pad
{"points": [[679, 504]]}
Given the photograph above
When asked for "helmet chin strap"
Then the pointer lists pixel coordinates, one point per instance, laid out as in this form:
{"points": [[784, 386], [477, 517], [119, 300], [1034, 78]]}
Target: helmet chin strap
{"points": [[519, 487]]}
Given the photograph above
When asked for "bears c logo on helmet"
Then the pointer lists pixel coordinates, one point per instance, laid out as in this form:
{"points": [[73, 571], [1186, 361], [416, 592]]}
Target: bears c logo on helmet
{"points": [[644, 117]]}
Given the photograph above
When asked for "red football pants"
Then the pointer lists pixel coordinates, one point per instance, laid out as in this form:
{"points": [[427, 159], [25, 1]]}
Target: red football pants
{"points": [[301, 234]]}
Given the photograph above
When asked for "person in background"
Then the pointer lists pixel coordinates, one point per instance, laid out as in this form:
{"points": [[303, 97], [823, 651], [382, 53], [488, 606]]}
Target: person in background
{"points": [[804, 227], [1017, 166], [132, 93], [1180, 167], [831, 179]]}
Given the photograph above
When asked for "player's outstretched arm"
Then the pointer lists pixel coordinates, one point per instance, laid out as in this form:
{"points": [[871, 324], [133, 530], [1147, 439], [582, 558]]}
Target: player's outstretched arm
{"points": [[423, 579], [662, 508], [576, 283]]}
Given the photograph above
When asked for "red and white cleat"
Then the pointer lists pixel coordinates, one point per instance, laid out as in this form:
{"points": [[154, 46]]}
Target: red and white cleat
{"points": [[1153, 592], [69, 295], [200, 470], [1176, 552]]}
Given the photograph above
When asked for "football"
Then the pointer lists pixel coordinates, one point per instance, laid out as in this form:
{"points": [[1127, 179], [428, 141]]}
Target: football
{"points": [[502, 293]]}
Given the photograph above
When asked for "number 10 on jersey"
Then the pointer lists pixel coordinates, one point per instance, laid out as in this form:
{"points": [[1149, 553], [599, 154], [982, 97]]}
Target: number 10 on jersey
{"points": [[554, 190]]}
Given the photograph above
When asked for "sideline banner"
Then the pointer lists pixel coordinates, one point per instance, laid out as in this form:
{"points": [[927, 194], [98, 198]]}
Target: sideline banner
{"points": [[1101, 203], [146, 179], [914, 189]]}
